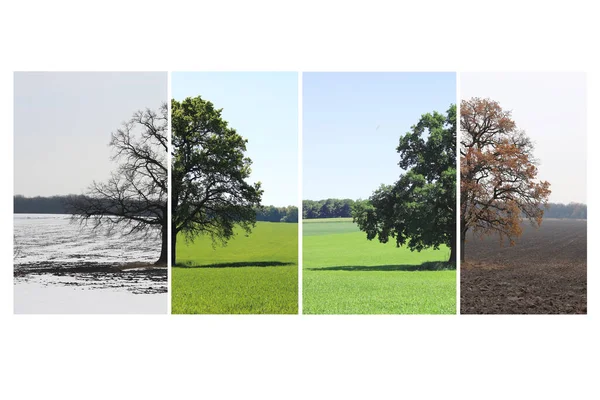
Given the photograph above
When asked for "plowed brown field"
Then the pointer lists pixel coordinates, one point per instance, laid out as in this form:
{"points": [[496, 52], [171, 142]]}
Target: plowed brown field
{"points": [[545, 272]]}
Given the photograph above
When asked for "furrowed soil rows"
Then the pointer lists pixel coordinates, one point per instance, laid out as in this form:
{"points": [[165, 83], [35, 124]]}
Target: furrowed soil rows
{"points": [[545, 272]]}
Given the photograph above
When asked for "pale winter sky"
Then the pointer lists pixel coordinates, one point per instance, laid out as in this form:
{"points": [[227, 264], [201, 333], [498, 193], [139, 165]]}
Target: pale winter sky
{"points": [[63, 122], [551, 108], [263, 108]]}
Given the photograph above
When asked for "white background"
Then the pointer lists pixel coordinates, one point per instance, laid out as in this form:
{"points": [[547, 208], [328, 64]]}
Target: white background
{"points": [[280, 357]]}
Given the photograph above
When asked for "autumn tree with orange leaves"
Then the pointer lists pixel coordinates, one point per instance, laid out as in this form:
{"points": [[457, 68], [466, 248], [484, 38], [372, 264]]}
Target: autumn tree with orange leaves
{"points": [[499, 186]]}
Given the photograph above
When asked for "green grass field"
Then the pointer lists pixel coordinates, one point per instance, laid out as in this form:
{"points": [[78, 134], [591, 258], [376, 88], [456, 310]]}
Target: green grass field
{"points": [[344, 273], [255, 274]]}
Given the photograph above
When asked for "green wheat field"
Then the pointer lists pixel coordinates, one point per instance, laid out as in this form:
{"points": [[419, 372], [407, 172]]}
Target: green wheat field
{"points": [[344, 273], [255, 274]]}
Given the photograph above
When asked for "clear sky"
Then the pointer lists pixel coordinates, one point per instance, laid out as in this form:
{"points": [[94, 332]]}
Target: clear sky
{"points": [[63, 122], [551, 108], [263, 108], [352, 123]]}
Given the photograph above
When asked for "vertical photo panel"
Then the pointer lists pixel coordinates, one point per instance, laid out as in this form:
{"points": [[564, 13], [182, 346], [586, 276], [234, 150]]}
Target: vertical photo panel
{"points": [[90, 203], [379, 190], [234, 212], [523, 213]]}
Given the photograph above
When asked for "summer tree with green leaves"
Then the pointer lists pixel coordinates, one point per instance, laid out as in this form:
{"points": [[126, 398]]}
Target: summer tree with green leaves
{"points": [[419, 210], [209, 169]]}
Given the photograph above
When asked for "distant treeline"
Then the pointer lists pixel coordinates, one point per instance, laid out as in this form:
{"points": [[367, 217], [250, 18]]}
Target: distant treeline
{"points": [[571, 210], [277, 214], [57, 205], [342, 208], [40, 205], [329, 208]]}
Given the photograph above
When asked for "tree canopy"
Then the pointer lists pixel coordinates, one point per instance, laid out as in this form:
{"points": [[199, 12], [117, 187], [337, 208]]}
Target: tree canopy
{"points": [[134, 199], [499, 185], [419, 210], [209, 192]]}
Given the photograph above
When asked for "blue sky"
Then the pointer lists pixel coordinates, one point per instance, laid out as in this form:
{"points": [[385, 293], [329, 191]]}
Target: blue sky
{"points": [[352, 123], [263, 108]]}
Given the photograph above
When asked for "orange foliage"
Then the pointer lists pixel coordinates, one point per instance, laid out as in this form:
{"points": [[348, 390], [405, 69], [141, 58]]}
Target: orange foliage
{"points": [[499, 186]]}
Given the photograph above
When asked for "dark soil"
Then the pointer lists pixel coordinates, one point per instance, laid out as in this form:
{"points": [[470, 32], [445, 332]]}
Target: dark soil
{"points": [[97, 275], [544, 273]]}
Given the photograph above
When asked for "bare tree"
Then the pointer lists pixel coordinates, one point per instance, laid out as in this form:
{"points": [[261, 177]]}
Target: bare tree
{"points": [[134, 199]]}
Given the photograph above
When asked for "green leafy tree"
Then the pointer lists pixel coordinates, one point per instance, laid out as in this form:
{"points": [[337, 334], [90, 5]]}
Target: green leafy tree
{"points": [[419, 210], [209, 192]]}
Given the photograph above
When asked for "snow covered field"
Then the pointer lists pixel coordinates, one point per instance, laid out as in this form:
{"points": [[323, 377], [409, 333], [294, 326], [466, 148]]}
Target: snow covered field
{"points": [[62, 267], [53, 237]]}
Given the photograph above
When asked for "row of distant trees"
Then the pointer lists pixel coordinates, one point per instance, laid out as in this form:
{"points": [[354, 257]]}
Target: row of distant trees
{"points": [[40, 205], [329, 208], [60, 205], [342, 208], [277, 214], [571, 210]]}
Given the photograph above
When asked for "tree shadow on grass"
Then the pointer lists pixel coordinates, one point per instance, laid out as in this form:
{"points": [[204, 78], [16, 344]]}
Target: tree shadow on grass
{"points": [[236, 264], [426, 266]]}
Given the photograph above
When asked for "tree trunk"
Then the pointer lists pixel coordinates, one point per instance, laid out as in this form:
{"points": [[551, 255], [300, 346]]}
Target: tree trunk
{"points": [[453, 250], [173, 246], [163, 249], [463, 237]]}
